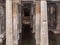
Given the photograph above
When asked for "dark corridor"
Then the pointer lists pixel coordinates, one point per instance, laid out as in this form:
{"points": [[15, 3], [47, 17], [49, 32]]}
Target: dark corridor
{"points": [[27, 38]]}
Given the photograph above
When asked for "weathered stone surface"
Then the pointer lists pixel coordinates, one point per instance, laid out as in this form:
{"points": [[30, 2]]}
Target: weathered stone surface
{"points": [[44, 24], [37, 23], [9, 30]]}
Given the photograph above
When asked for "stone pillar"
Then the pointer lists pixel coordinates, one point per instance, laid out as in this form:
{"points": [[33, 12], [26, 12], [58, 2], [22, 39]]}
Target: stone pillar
{"points": [[15, 22], [37, 23], [44, 24], [9, 30]]}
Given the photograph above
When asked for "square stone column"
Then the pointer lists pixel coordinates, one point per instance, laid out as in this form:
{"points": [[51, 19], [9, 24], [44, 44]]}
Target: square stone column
{"points": [[15, 22], [9, 27], [44, 24], [11, 22], [37, 23]]}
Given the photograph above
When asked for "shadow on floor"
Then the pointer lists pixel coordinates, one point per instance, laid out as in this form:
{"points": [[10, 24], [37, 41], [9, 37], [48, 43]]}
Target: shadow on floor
{"points": [[27, 37]]}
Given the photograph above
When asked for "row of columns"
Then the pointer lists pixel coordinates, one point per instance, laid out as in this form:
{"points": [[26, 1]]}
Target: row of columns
{"points": [[41, 33]]}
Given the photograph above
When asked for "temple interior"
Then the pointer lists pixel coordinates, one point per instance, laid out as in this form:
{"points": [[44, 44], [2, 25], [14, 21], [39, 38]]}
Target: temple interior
{"points": [[24, 22]]}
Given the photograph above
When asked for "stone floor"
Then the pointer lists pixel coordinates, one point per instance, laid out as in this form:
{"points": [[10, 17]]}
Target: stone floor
{"points": [[27, 40], [27, 37]]}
